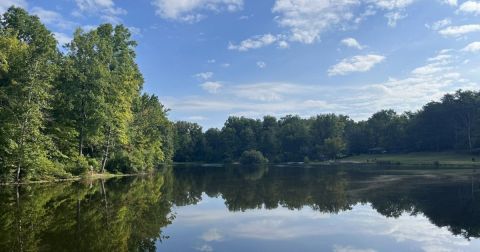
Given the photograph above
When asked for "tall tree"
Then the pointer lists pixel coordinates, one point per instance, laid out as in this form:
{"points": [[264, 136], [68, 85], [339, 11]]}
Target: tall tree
{"points": [[101, 80], [149, 140], [29, 65]]}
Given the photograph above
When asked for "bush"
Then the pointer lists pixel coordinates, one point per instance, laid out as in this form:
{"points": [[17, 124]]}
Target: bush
{"points": [[120, 163], [252, 157], [79, 165]]}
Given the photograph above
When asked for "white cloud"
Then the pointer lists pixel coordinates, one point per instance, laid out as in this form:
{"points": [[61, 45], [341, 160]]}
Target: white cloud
{"points": [[204, 76], [106, 9], [351, 42], [226, 65], [440, 57], [432, 68], [196, 118], [457, 31], [391, 4], [268, 91], [261, 64], [440, 24], [62, 38], [205, 248], [394, 17], [211, 61], [472, 47], [395, 7], [451, 2], [52, 18], [307, 20], [190, 10], [5, 4], [135, 31], [211, 86], [283, 44], [338, 248], [212, 235], [359, 63], [254, 42], [470, 7]]}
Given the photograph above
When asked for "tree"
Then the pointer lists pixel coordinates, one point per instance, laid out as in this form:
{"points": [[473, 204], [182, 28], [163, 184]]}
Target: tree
{"points": [[100, 82], [253, 157], [294, 137], [29, 65], [148, 138], [333, 146], [326, 127], [189, 142]]}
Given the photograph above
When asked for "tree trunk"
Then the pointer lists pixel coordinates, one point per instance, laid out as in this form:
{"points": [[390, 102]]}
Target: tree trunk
{"points": [[80, 142], [106, 151], [82, 130]]}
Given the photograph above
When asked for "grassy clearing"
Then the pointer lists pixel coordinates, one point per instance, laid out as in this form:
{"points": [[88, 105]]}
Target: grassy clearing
{"points": [[418, 158]]}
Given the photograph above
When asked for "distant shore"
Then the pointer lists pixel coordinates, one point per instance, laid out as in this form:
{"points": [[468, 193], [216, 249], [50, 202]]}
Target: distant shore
{"points": [[417, 158]]}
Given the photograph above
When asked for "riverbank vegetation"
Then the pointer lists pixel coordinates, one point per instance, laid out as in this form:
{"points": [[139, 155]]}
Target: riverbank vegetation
{"points": [[78, 110]]}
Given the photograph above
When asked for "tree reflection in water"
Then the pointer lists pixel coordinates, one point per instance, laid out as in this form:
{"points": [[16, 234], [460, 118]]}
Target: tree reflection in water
{"points": [[128, 214]]}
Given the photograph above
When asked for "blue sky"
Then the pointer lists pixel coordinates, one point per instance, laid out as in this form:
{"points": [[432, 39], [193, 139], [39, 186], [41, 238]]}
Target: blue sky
{"points": [[208, 59]]}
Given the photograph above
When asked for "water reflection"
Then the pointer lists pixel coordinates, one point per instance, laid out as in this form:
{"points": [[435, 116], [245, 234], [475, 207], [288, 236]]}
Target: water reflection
{"points": [[237, 209]]}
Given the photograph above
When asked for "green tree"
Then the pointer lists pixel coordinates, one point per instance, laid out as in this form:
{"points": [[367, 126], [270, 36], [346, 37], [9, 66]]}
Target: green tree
{"points": [[149, 139], [189, 142], [333, 146], [29, 65]]}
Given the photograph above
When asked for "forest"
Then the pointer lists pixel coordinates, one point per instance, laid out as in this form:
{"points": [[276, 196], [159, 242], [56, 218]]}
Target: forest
{"points": [[451, 124], [77, 110], [80, 109]]}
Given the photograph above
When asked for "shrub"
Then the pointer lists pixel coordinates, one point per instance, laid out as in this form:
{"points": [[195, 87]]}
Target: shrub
{"points": [[253, 157], [78, 166], [120, 163]]}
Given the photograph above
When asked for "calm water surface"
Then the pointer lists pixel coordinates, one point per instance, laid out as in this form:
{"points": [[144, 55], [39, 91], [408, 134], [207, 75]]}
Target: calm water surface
{"points": [[290, 208]]}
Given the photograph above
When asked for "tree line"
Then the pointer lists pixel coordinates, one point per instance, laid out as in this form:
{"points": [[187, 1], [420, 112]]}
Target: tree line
{"points": [[451, 124], [78, 110]]}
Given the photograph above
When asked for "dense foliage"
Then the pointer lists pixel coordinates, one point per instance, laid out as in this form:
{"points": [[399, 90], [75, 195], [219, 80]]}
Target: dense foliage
{"points": [[78, 111], [453, 123], [252, 157]]}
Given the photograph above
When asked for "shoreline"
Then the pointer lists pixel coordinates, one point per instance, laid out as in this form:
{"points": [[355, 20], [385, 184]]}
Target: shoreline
{"points": [[387, 161], [94, 176]]}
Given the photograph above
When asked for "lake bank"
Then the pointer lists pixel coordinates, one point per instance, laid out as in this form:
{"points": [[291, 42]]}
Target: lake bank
{"points": [[425, 160], [92, 176], [417, 158]]}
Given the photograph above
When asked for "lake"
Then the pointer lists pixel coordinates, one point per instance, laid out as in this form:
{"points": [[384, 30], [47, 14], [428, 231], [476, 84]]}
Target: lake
{"points": [[279, 208]]}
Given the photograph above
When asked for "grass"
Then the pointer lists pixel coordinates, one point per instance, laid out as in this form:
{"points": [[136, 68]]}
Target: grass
{"points": [[418, 158]]}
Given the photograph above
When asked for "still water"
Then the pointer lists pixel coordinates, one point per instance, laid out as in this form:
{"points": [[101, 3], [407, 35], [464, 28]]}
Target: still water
{"points": [[289, 208]]}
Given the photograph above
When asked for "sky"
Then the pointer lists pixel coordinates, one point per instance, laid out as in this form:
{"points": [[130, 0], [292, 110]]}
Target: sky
{"points": [[210, 59]]}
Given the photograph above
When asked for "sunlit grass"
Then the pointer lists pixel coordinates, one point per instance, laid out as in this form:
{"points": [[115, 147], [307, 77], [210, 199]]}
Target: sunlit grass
{"points": [[448, 158]]}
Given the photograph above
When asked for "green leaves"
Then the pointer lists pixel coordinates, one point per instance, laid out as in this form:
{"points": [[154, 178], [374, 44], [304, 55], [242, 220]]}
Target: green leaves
{"points": [[28, 68], [74, 110]]}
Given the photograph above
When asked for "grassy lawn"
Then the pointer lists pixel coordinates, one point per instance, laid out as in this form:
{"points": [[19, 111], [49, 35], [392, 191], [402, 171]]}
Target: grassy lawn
{"points": [[447, 158]]}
